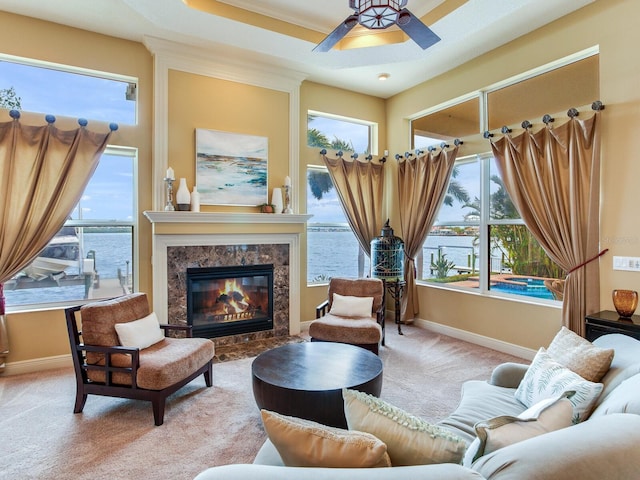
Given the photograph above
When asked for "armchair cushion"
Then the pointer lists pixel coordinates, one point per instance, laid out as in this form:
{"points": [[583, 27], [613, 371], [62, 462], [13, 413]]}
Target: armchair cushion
{"points": [[140, 333], [348, 330], [349, 306]]}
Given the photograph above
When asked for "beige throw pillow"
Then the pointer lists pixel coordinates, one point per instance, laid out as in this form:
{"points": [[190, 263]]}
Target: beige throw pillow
{"points": [[409, 439], [303, 443], [545, 416], [140, 333], [580, 356]]}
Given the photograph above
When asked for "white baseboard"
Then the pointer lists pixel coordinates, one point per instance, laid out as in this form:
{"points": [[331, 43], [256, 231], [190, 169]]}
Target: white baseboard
{"points": [[494, 344], [470, 337], [38, 365]]}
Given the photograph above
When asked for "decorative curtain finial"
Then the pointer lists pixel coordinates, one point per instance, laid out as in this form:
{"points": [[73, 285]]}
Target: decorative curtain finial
{"points": [[340, 154], [354, 156], [526, 124], [547, 119], [113, 127], [487, 134], [505, 130], [457, 142], [15, 114], [368, 158], [572, 113], [432, 148], [398, 156], [323, 151], [444, 145], [83, 122], [50, 119], [597, 106]]}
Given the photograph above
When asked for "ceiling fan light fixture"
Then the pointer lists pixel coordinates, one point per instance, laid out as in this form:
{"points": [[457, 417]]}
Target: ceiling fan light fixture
{"points": [[378, 14]]}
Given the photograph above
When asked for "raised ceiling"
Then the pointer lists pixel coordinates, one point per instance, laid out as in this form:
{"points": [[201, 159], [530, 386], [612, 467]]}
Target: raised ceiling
{"points": [[282, 33]]}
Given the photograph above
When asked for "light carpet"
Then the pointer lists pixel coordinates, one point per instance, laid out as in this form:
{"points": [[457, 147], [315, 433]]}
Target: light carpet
{"points": [[203, 427]]}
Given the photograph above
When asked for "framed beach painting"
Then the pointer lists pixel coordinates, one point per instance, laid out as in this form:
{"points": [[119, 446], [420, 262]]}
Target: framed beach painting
{"points": [[231, 168]]}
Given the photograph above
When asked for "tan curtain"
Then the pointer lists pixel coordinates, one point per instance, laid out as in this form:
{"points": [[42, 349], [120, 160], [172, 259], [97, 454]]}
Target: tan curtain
{"points": [[553, 178], [359, 186], [43, 173], [422, 185]]}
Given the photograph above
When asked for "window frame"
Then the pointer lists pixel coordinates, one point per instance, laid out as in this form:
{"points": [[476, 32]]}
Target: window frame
{"points": [[372, 126]]}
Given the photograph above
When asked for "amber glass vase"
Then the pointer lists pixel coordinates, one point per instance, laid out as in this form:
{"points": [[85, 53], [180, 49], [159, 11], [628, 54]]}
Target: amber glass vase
{"points": [[625, 302]]}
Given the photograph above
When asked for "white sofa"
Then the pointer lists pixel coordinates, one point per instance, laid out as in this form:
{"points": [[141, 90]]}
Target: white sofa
{"points": [[605, 446]]}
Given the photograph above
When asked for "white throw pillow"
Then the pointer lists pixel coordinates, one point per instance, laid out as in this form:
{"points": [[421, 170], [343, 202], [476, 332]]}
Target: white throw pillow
{"points": [[140, 333], [546, 378], [580, 355], [409, 439], [346, 306], [545, 416]]}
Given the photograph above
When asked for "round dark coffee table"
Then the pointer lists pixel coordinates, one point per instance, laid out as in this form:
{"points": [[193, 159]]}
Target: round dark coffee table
{"points": [[305, 380]]}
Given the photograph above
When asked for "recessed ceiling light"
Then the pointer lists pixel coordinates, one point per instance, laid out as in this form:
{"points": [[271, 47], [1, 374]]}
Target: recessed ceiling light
{"points": [[383, 76]]}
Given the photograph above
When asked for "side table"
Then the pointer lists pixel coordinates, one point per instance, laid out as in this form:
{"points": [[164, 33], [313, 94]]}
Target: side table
{"points": [[601, 323], [396, 289]]}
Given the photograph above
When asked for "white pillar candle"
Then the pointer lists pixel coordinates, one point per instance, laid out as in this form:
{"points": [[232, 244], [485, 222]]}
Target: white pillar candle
{"points": [[287, 181], [170, 174]]}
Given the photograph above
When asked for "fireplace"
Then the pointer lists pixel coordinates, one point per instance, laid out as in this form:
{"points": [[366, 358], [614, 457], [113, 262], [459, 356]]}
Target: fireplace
{"points": [[230, 300]]}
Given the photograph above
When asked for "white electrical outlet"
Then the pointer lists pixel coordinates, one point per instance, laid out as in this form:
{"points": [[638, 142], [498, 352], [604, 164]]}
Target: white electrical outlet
{"points": [[631, 264]]}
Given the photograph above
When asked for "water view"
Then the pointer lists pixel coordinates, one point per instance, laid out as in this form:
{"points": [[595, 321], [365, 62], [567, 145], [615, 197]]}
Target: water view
{"points": [[336, 254], [112, 252]]}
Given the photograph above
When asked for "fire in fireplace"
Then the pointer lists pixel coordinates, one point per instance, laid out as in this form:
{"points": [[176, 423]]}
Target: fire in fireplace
{"points": [[230, 300]]}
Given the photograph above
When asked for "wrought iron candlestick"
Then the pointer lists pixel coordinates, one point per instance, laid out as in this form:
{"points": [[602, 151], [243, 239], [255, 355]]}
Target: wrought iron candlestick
{"points": [[287, 199], [169, 206]]}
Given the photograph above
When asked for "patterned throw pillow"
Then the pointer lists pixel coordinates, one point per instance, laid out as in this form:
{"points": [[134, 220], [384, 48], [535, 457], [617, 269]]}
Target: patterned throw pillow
{"points": [[303, 443], [580, 356], [546, 378], [409, 440]]}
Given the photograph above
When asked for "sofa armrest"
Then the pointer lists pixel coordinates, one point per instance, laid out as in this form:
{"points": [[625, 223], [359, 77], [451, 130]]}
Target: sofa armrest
{"points": [[508, 375], [444, 471], [602, 447]]}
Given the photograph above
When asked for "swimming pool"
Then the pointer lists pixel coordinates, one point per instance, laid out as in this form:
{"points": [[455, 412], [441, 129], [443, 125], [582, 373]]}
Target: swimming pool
{"points": [[529, 287]]}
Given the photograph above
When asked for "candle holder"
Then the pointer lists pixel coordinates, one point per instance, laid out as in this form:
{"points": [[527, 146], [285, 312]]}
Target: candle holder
{"points": [[169, 206], [287, 199]]}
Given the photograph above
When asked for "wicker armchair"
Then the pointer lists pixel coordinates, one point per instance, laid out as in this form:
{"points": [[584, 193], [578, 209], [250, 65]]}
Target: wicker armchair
{"points": [[362, 328], [104, 367]]}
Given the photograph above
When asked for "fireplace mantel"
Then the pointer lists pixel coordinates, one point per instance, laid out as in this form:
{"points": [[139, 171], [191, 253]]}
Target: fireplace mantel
{"points": [[217, 217]]}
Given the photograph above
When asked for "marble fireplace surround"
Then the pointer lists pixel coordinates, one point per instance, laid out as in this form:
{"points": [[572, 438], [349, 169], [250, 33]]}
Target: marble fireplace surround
{"points": [[179, 242]]}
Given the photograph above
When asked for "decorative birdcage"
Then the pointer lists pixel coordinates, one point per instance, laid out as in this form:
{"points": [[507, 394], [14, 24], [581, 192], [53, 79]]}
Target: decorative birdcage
{"points": [[387, 256]]}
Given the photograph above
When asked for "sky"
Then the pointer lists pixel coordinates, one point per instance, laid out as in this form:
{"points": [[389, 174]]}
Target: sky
{"points": [[109, 193]]}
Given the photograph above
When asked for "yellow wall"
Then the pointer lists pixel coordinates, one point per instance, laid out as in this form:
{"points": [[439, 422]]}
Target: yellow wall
{"points": [[197, 101], [612, 26], [40, 334]]}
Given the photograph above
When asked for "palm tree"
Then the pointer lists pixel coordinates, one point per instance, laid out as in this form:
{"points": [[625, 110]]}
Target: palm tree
{"points": [[455, 191], [9, 99]]}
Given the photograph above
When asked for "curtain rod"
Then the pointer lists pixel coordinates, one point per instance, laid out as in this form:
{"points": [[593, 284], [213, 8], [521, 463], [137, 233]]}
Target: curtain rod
{"points": [[50, 119], [355, 155], [457, 142], [547, 119]]}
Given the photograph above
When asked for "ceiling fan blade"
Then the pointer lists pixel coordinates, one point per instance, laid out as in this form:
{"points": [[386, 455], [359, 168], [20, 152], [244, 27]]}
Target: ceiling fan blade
{"points": [[338, 34], [417, 31]]}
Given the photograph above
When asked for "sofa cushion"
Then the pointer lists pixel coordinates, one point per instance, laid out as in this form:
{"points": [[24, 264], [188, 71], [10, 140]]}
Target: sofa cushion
{"points": [[545, 416], [409, 439], [600, 448], [348, 306], [624, 399], [303, 443], [579, 355], [546, 378], [625, 363], [480, 400], [140, 333]]}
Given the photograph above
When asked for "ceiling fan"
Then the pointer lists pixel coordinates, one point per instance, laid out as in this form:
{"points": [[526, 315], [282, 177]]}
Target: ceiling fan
{"points": [[378, 15]]}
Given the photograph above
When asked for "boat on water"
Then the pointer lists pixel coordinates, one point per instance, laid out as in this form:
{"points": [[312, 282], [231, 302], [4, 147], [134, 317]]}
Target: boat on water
{"points": [[62, 253]]}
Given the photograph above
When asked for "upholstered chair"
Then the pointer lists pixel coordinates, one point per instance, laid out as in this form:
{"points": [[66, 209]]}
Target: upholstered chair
{"points": [[122, 351], [353, 313]]}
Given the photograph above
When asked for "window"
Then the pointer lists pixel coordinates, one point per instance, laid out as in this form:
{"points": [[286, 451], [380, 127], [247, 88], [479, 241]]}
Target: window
{"points": [[332, 247], [92, 255], [478, 240], [339, 133], [59, 90]]}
